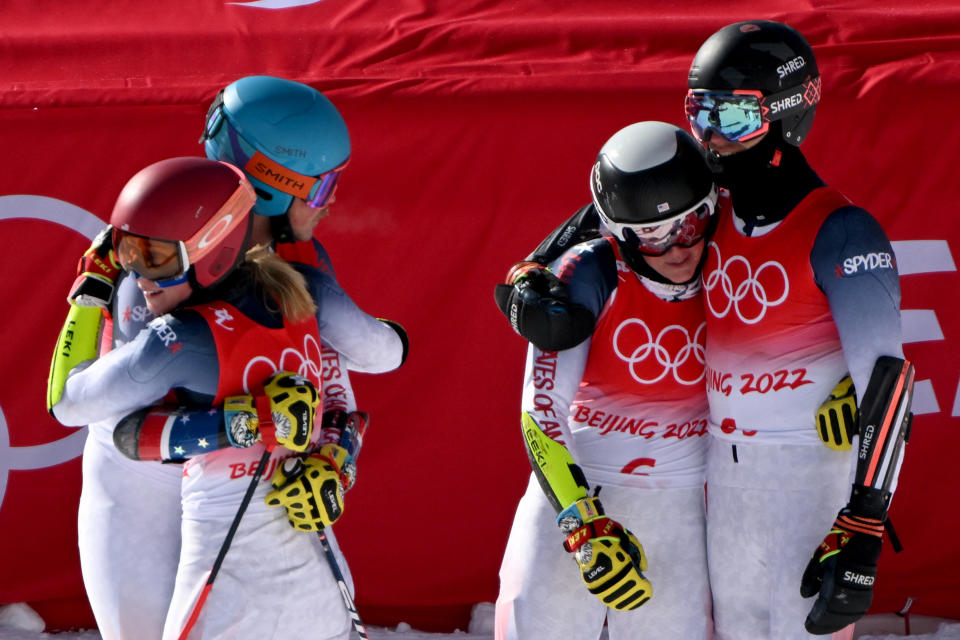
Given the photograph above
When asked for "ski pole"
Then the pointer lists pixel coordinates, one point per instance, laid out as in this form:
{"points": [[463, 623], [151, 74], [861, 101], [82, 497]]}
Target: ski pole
{"points": [[344, 592], [351, 438], [202, 598]]}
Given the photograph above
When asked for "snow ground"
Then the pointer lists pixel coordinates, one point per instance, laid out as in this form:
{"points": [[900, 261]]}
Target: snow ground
{"points": [[19, 622]]}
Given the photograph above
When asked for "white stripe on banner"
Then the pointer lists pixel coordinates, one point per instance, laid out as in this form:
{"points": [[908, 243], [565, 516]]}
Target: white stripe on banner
{"points": [[52, 210], [924, 400], [956, 403], [39, 456], [920, 325], [275, 4], [923, 256]]}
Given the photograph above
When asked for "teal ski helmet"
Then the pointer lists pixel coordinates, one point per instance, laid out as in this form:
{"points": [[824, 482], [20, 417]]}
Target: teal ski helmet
{"points": [[287, 137]]}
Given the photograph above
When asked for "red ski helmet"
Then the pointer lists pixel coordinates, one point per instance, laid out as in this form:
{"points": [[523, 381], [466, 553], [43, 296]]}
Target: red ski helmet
{"points": [[183, 219]]}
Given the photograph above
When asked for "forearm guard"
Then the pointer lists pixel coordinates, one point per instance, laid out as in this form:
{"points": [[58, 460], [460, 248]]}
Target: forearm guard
{"points": [[885, 420], [78, 342], [559, 476], [582, 226]]}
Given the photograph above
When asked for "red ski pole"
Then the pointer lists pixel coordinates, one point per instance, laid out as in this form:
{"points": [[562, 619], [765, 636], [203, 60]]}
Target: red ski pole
{"points": [[267, 432]]}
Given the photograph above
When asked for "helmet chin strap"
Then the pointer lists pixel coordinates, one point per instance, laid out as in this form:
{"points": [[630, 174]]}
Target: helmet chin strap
{"points": [[198, 294], [281, 229]]}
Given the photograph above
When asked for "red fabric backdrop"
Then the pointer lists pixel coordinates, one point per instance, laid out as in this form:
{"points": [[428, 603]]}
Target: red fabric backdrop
{"points": [[474, 126]]}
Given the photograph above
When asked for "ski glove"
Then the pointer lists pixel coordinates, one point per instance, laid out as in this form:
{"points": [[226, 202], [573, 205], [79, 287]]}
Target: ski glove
{"points": [[289, 403], [97, 273], [842, 571], [837, 418], [539, 309], [310, 488], [611, 559]]}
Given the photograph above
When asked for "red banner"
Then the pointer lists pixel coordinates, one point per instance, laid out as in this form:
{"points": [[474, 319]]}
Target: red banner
{"points": [[474, 126]]}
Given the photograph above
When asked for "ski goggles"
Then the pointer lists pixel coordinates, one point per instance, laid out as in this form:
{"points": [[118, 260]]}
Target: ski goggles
{"points": [[165, 262], [742, 114], [316, 191], [685, 229]]}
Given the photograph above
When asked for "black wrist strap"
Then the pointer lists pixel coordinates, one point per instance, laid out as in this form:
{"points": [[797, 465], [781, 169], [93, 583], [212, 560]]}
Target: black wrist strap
{"points": [[892, 534]]}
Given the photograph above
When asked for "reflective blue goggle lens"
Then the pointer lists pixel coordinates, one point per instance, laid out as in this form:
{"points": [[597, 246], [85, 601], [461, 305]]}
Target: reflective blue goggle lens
{"points": [[736, 117]]}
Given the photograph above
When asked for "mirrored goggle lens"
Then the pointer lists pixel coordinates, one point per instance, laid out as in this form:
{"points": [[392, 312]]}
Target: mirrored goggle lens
{"points": [[683, 230], [214, 118], [324, 189], [151, 258], [736, 117]]}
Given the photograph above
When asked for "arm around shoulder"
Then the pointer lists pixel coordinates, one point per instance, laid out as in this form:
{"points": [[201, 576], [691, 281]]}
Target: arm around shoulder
{"points": [[77, 343]]}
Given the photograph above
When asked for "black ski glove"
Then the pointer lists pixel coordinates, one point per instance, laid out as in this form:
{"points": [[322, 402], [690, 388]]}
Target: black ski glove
{"points": [[842, 571], [539, 309]]}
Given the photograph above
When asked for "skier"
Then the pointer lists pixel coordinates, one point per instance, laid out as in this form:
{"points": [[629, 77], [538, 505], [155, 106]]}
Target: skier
{"points": [[118, 519], [801, 287], [293, 145], [624, 408], [125, 507], [181, 225]]}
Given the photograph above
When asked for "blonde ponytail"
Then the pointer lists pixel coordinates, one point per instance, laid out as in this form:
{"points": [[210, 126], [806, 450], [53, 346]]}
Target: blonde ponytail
{"points": [[282, 282]]}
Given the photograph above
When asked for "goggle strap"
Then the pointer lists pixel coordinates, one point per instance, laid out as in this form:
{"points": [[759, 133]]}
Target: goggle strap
{"points": [[279, 177], [231, 214], [784, 104], [174, 281], [239, 156]]}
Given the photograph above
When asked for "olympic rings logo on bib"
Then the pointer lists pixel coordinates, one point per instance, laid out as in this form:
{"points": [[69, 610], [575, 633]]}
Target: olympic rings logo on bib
{"points": [[307, 363], [674, 351], [734, 285]]}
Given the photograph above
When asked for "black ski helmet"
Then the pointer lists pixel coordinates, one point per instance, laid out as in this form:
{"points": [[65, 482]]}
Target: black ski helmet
{"points": [[765, 56], [648, 172]]}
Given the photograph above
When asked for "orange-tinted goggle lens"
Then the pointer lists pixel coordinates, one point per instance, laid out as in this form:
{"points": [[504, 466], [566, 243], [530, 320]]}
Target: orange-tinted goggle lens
{"points": [[151, 258]]}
